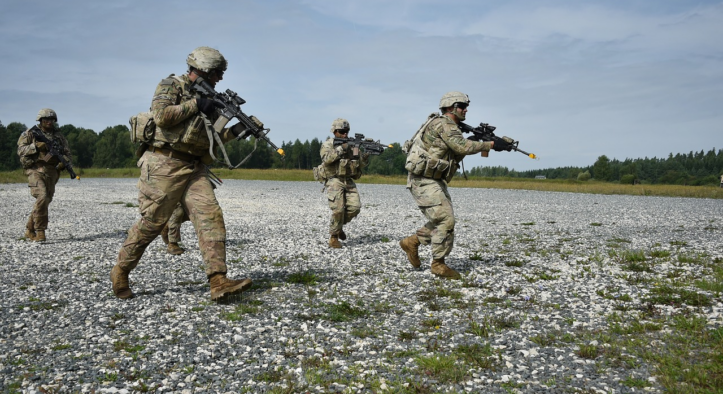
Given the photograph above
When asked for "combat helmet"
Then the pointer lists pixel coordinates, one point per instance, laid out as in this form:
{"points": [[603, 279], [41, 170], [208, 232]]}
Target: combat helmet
{"points": [[450, 98], [46, 113], [339, 124], [206, 59]]}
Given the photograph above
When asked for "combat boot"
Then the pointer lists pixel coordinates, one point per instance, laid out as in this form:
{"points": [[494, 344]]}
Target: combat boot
{"points": [[223, 287], [342, 235], [39, 236], [442, 270], [173, 248], [411, 246], [334, 242], [164, 234], [119, 278], [30, 229]]}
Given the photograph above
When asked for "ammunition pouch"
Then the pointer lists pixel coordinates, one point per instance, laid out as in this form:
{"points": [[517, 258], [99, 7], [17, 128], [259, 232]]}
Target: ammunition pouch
{"points": [[143, 127], [320, 173], [26, 161]]}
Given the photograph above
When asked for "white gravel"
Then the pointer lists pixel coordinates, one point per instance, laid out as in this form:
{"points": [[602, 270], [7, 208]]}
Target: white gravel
{"points": [[62, 330]]}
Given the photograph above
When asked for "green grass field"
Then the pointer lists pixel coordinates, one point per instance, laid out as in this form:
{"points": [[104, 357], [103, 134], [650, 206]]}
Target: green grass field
{"points": [[549, 185]]}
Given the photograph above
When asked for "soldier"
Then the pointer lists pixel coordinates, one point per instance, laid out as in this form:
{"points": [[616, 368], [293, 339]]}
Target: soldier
{"points": [[433, 158], [42, 169], [173, 170], [342, 165], [171, 233]]}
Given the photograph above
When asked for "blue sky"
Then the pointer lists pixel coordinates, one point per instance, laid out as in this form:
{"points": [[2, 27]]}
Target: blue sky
{"points": [[572, 80]]}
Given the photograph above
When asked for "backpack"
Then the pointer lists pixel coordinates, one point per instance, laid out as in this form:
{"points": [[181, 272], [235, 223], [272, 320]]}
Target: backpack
{"points": [[143, 127]]}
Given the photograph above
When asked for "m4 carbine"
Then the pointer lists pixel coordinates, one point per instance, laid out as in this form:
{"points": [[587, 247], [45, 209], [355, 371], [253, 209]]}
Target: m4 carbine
{"points": [[370, 146], [485, 132], [54, 150], [230, 107]]}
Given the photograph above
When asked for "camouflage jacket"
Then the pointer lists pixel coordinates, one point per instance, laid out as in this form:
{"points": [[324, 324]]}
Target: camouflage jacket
{"points": [[178, 121], [443, 139], [31, 155], [342, 163]]}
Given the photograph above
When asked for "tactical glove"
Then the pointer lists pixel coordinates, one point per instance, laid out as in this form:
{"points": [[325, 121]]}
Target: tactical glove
{"points": [[208, 107], [503, 144], [60, 166], [240, 131], [40, 145]]}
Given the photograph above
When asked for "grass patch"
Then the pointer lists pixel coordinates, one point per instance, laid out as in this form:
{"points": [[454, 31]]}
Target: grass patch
{"points": [[308, 278], [344, 311]]}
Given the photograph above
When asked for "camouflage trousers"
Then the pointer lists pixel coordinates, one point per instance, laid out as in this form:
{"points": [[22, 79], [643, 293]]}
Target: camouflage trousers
{"points": [[165, 182], [434, 201], [178, 217], [41, 180], [344, 202]]}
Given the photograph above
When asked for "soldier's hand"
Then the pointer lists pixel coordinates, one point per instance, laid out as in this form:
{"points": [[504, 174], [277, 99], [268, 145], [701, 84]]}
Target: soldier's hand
{"points": [[240, 131], [503, 144], [40, 145], [208, 107], [257, 122], [60, 166]]}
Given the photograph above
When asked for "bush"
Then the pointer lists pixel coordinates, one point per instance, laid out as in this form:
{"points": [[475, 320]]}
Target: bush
{"points": [[584, 176], [627, 179]]}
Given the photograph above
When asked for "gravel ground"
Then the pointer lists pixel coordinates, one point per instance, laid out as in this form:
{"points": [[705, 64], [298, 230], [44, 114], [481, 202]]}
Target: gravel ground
{"points": [[358, 319]]}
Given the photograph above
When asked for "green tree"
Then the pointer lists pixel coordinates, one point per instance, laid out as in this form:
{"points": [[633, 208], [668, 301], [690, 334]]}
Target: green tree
{"points": [[114, 148], [601, 169], [82, 144]]}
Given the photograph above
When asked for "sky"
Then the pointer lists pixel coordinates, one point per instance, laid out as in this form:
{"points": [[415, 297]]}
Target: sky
{"points": [[571, 80]]}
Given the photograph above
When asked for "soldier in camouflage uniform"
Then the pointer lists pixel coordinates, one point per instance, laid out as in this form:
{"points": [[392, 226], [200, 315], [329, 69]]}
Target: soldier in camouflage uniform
{"points": [[432, 160], [171, 233], [42, 169], [342, 165], [173, 170]]}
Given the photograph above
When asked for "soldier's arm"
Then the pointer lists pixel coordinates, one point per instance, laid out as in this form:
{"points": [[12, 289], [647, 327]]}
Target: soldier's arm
{"points": [[26, 144], [452, 136], [167, 108], [329, 154]]}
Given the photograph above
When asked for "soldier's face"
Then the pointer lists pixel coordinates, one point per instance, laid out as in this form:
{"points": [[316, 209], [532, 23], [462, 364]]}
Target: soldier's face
{"points": [[47, 123], [215, 76], [343, 133]]}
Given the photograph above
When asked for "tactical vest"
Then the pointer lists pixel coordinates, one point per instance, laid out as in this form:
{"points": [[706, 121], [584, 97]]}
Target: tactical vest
{"points": [[342, 168], [430, 159], [188, 136]]}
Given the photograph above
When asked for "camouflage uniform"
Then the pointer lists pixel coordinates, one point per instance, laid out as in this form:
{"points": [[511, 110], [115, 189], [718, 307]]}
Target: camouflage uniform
{"points": [[341, 191], [173, 171], [41, 169], [443, 139]]}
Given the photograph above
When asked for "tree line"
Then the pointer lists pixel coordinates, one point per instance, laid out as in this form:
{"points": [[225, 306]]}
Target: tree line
{"points": [[693, 168], [112, 148]]}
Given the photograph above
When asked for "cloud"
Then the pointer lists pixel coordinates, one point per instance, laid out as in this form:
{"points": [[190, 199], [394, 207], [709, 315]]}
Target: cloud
{"points": [[570, 80]]}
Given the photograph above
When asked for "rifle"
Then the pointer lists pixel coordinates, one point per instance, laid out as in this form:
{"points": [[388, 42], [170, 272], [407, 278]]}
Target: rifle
{"points": [[54, 150], [485, 132], [370, 146], [231, 108]]}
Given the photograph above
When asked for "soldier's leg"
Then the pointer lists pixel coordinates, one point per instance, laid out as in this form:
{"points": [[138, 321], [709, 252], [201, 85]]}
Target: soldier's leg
{"points": [[39, 190], [160, 187], [353, 202], [174, 224], [199, 201], [205, 213], [335, 197]]}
